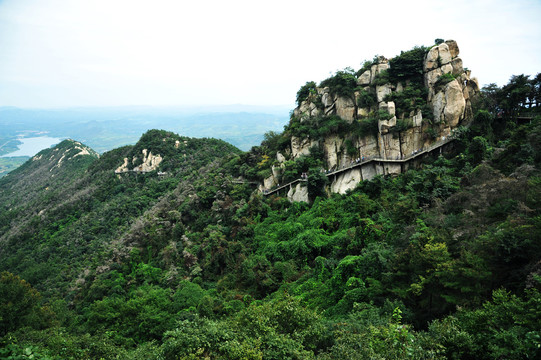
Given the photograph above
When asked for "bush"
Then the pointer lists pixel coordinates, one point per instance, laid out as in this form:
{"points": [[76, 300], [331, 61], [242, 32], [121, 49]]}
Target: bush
{"points": [[408, 66], [443, 80], [367, 127], [381, 78], [343, 83], [366, 99], [305, 91], [20, 305]]}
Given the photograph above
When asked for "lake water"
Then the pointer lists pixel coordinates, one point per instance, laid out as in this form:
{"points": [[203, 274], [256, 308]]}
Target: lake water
{"points": [[33, 145]]}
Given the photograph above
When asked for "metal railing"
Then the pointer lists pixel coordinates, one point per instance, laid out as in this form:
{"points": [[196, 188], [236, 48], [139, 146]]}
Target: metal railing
{"points": [[366, 159]]}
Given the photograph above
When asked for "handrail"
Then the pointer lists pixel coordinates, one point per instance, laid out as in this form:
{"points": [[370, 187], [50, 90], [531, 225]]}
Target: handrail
{"points": [[276, 189], [366, 160], [402, 159]]}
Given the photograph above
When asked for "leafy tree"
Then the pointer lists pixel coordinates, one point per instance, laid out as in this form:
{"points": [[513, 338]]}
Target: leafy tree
{"points": [[305, 91], [478, 149], [342, 83], [20, 305]]}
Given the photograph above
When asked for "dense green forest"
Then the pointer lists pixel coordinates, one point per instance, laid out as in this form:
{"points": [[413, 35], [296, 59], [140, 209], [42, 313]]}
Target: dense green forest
{"points": [[440, 262]]}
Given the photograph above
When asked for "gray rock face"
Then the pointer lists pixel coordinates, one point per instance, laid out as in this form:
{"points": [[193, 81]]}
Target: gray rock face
{"points": [[385, 125], [345, 108], [431, 60], [269, 182], [452, 103], [444, 54], [391, 146], [364, 79], [326, 98], [455, 104], [438, 104], [332, 148], [449, 100], [299, 193], [417, 119], [301, 146], [457, 66], [149, 163], [453, 48], [388, 106], [346, 181], [382, 91]]}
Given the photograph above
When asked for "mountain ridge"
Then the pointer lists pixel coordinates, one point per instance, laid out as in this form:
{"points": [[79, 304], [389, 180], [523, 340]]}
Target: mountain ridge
{"points": [[184, 258]]}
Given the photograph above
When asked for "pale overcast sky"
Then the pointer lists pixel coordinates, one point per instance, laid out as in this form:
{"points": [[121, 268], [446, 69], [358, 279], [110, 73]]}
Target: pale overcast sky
{"points": [[56, 53]]}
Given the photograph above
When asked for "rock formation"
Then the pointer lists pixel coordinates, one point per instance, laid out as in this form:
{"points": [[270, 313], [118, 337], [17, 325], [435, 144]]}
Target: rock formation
{"points": [[448, 90], [147, 163]]}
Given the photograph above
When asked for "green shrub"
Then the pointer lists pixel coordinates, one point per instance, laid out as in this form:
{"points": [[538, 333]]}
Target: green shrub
{"points": [[305, 91], [408, 66], [366, 99], [343, 83], [443, 80], [367, 126], [381, 78], [402, 125]]}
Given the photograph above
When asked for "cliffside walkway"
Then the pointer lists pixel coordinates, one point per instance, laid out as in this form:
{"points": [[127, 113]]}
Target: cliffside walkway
{"points": [[365, 160], [276, 189], [403, 159]]}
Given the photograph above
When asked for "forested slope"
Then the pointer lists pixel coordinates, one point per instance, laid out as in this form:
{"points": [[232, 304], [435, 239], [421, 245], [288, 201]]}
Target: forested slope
{"points": [[438, 262]]}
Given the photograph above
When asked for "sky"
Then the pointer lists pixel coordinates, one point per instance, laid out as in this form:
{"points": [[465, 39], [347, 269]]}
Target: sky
{"points": [[67, 53]]}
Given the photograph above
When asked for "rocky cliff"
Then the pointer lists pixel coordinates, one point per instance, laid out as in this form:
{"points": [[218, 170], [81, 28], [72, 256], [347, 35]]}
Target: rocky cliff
{"points": [[146, 163], [389, 109]]}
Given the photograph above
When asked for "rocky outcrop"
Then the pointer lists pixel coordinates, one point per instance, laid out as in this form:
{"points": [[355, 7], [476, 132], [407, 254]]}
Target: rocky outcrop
{"points": [[299, 193], [147, 163], [346, 181], [450, 91], [301, 146], [345, 108], [450, 102]]}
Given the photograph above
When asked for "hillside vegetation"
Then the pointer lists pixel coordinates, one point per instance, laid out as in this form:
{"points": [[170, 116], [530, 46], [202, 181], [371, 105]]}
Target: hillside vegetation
{"points": [[189, 261]]}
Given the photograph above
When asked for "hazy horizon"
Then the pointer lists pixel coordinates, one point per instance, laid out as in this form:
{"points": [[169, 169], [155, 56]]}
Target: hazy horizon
{"points": [[59, 54]]}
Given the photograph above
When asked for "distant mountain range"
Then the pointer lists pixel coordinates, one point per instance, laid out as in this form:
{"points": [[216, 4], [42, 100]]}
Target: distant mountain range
{"points": [[106, 128], [109, 127]]}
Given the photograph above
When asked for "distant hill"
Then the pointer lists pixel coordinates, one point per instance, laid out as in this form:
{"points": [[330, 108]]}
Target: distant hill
{"points": [[107, 128]]}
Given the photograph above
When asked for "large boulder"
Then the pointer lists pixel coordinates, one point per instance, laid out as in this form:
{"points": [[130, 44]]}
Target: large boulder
{"points": [[382, 65], [345, 108], [432, 76], [457, 66], [269, 182], [417, 119], [454, 103], [150, 162], [364, 79], [385, 125], [301, 146], [431, 59], [438, 104], [453, 48], [346, 180], [326, 97], [332, 148], [298, 193], [444, 54], [382, 91]]}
